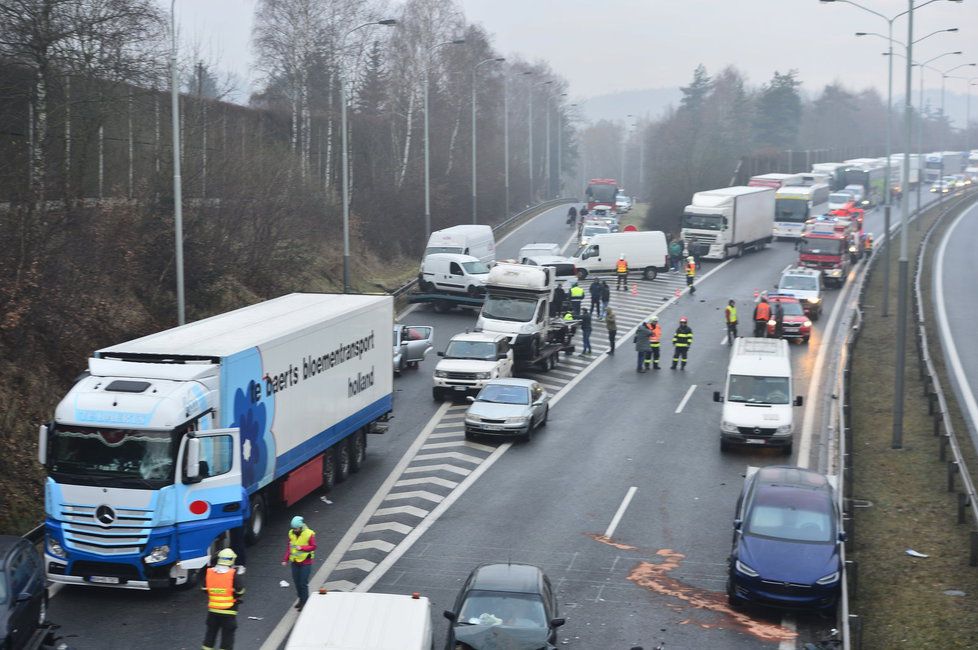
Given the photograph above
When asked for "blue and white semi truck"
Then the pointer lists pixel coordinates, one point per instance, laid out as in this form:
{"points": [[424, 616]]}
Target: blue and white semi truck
{"points": [[169, 442]]}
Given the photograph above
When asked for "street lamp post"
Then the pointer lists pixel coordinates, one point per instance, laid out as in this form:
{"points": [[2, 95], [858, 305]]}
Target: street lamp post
{"points": [[475, 69], [967, 120], [177, 181], [506, 142], [624, 145], [427, 139], [345, 156], [530, 165], [560, 139]]}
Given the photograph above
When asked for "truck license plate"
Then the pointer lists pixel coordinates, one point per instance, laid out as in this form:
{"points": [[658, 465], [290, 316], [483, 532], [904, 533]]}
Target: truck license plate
{"points": [[755, 441], [104, 580]]}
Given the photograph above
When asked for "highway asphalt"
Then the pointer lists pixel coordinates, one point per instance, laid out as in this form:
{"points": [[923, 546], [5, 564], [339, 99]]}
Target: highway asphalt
{"points": [[659, 577]]}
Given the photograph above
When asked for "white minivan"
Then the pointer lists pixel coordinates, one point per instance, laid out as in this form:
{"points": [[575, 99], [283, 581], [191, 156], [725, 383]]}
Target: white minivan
{"points": [[757, 408], [645, 251], [475, 240], [338, 620], [453, 273]]}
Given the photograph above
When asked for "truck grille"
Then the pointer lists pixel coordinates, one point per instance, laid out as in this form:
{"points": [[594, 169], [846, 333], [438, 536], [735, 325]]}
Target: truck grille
{"points": [[125, 534], [700, 239], [755, 431]]}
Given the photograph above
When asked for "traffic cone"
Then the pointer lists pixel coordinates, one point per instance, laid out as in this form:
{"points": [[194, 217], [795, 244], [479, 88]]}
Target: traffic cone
{"points": [[756, 294], [677, 292], [634, 289]]}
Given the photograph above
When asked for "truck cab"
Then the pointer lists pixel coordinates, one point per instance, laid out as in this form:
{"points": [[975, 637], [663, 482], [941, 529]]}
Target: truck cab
{"points": [[517, 304], [826, 250], [470, 360]]}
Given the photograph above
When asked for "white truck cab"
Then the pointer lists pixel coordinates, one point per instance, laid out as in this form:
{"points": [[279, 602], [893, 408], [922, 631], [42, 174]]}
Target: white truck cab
{"points": [[337, 620], [470, 360], [757, 408], [518, 298]]}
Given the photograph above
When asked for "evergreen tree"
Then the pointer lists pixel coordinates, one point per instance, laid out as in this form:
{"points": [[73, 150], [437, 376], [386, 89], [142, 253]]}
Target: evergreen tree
{"points": [[371, 98], [694, 95], [778, 112]]}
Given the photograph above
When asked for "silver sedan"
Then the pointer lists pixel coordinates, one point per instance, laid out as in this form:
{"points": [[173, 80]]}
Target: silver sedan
{"points": [[507, 407]]}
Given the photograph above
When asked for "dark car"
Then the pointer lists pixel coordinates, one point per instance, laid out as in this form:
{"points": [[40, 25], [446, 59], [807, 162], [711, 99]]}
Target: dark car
{"points": [[23, 592], [508, 606], [787, 532]]}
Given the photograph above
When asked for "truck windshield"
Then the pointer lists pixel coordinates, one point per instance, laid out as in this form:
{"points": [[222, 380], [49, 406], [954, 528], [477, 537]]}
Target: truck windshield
{"points": [[481, 350], [601, 193], [703, 221], [751, 389], [520, 310], [819, 246], [475, 268], [791, 210], [125, 457]]}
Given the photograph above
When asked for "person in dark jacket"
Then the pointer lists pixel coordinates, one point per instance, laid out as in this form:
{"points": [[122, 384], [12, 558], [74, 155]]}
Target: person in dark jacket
{"points": [[643, 346], [557, 306], [681, 341], [595, 291], [605, 298], [586, 333], [612, 325]]}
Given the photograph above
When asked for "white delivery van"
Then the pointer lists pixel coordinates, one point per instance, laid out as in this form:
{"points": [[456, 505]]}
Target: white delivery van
{"points": [[477, 241], [453, 273], [538, 250], [338, 620], [645, 251], [757, 408]]}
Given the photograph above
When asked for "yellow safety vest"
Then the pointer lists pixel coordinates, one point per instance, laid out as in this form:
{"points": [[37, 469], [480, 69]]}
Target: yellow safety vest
{"points": [[302, 539], [576, 292], [220, 591], [731, 314]]}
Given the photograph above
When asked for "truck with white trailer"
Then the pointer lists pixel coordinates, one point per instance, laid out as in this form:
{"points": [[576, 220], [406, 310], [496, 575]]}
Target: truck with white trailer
{"points": [[170, 442], [729, 221]]}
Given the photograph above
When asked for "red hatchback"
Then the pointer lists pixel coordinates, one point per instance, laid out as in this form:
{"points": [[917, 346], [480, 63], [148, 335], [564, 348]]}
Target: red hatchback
{"points": [[795, 324]]}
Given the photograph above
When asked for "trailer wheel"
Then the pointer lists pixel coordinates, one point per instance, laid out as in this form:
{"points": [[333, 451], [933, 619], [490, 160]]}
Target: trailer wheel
{"points": [[649, 273], [426, 285], [358, 450], [329, 470], [442, 306], [256, 520], [342, 461]]}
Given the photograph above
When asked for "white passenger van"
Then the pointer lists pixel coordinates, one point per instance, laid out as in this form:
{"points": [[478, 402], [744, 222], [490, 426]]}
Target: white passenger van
{"points": [[757, 410], [453, 273], [646, 252], [477, 241], [339, 620]]}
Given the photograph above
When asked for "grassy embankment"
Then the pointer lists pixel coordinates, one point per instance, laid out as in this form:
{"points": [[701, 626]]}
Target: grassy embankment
{"points": [[902, 599]]}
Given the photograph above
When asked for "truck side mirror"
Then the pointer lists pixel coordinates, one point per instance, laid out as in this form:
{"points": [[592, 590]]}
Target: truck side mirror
{"points": [[193, 459], [717, 397], [42, 444], [799, 400]]}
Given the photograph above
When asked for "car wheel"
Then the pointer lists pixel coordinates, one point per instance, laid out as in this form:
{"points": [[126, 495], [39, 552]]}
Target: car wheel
{"points": [[804, 339], [442, 306], [534, 348], [342, 461], [546, 413], [724, 445], [256, 519], [426, 285], [473, 291], [735, 601], [400, 366], [358, 450], [649, 273], [329, 470], [527, 435], [786, 450], [436, 395], [581, 274]]}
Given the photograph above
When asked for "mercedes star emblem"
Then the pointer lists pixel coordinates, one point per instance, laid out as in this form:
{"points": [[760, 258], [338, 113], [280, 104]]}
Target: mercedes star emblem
{"points": [[105, 515]]}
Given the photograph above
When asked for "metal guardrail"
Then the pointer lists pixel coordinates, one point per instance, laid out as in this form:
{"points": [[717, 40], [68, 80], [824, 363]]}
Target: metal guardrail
{"points": [[850, 624], [499, 227], [934, 392]]}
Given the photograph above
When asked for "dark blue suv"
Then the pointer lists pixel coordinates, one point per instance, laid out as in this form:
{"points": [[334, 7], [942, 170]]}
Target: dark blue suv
{"points": [[787, 533]]}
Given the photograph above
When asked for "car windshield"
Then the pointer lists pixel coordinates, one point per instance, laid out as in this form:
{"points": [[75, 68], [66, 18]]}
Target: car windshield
{"points": [[818, 246], [503, 608], [504, 394], [475, 268], [131, 458], [505, 308], [799, 283], [481, 350], [752, 389], [791, 308], [703, 221], [798, 515], [590, 231], [791, 210], [840, 197]]}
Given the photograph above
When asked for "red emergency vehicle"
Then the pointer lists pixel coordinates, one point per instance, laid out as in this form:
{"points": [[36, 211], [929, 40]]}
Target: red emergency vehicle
{"points": [[601, 191], [824, 248]]}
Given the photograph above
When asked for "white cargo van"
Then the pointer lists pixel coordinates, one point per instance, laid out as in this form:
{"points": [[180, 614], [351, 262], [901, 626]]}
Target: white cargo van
{"points": [[757, 410], [338, 620], [645, 251], [477, 241], [538, 250], [453, 273]]}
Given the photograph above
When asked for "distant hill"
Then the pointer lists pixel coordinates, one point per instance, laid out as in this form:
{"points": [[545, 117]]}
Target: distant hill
{"points": [[649, 102]]}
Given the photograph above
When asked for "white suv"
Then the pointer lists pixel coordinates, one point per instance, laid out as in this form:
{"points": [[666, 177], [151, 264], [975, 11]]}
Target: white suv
{"points": [[805, 285], [469, 362]]}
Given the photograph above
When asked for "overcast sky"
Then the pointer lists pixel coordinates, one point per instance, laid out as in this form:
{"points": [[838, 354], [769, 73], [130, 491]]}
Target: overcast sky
{"points": [[606, 46]]}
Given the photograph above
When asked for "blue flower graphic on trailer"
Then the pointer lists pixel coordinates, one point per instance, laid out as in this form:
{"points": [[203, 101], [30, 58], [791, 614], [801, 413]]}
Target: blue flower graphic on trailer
{"points": [[251, 418]]}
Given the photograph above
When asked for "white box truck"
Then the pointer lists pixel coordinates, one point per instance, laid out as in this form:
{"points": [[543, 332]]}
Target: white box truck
{"points": [[168, 442], [339, 620], [757, 407], [729, 221]]}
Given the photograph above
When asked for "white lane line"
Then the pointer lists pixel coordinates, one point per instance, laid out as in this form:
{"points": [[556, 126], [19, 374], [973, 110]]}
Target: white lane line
{"points": [[281, 631], [808, 424], [788, 622], [682, 404], [950, 347], [621, 512]]}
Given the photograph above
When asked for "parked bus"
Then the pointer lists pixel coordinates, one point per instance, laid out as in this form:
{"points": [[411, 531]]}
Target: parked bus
{"points": [[794, 204]]}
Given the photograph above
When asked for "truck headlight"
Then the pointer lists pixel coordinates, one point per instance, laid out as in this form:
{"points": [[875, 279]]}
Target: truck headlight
{"points": [[441, 374], [728, 427], [483, 375], [56, 549], [158, 554], [784, 428]]}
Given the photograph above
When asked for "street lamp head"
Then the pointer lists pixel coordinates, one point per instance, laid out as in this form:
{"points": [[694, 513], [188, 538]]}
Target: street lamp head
{"points": [[500, 59], [862, 33], [826, 1], [387, 22], [951, 29]]}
